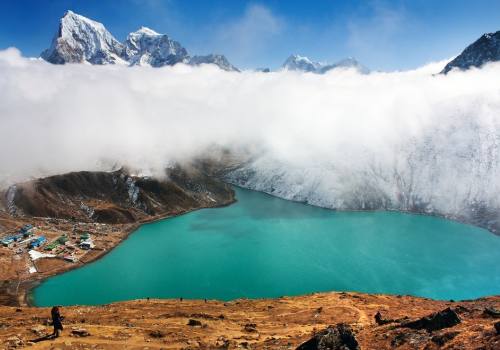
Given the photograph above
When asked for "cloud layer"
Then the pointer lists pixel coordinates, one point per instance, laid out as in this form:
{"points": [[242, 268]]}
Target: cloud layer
{"points": [[332, 133]]}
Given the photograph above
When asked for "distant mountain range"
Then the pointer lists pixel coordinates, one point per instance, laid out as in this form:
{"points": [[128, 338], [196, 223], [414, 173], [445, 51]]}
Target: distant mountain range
{"points": [[80, 39]]}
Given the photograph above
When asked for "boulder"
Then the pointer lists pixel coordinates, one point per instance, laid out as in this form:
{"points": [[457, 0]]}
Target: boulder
{"points": [[339, 337], [443, 319], [80, 332], [491, 312], [250, 328], [157, 334], [381, 321], [497, 327], [194, 323]]}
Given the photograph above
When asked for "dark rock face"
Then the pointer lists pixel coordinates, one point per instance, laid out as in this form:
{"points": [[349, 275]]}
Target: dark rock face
{"points": [[340, 337], [117, 197], [497, 327], [436, 321], [491, 312], [485, 49]]}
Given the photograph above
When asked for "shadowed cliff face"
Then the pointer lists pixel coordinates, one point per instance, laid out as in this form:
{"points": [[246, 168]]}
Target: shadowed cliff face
{"points": [[115, 197]]}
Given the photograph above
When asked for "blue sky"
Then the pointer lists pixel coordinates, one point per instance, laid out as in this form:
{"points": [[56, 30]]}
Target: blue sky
{"points": [[382, 34]]}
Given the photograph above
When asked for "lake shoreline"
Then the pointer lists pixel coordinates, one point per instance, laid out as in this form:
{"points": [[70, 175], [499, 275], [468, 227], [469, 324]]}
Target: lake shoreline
{"points": [[23, 295], [244, 225]]}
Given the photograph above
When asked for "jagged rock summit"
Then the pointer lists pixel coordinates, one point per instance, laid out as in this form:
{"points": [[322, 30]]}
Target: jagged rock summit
{"points": [[82, 40], [484, 50], [147, 47], [304, 64]]}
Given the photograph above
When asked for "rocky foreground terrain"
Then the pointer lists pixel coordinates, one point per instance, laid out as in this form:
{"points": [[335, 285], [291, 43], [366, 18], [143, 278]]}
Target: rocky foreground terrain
{"points": [[286, 323]]}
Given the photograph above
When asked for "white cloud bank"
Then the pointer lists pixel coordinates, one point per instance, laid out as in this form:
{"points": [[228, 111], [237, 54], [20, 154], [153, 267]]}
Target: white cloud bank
{"points": [[435, 137]]}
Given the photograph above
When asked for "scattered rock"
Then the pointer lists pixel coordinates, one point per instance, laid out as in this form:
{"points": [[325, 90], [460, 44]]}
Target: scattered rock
{"points": [[339, 337], [222, 343], [497, 327], [157, 334], [15, 342], [80, 332], [250, 328], [436, 321], [460, 309], [38, 330], [441, 339], [381, 321], [193, 323], [416, 339], [491, 312]]}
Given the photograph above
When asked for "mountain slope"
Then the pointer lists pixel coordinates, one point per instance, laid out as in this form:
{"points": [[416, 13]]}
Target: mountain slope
{"points": [[483, 50], [114, 197]]}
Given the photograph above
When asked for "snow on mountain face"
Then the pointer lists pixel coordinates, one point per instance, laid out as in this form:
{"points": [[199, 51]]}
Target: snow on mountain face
{"points": [[485, 49], [219, 60], [456, 178], [345, 63], [146, 47], [301, 63], [304, 64], [80, 39]]}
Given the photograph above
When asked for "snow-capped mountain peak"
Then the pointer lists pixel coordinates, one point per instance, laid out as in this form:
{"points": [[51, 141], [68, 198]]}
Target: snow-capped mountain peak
{"points": [[300, 63], [219, 60], [147, 47], [81, 39], [304, 64], [483, 50], [145, 31]]}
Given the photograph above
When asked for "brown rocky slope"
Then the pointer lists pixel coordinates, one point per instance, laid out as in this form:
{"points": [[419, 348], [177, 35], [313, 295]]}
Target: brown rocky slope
{"points": [[277, 324]]}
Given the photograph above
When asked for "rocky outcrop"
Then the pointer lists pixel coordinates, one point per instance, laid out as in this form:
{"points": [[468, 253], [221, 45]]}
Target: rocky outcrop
{"points": [[436, 321], [339, 337]]}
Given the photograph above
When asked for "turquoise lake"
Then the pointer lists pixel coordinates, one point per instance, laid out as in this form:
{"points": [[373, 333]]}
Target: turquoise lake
{"points": [[263, 246]]}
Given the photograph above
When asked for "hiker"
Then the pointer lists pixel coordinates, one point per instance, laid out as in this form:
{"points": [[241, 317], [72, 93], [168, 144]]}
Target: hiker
{"points": [[56, 321]]}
